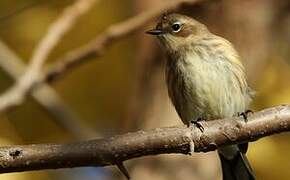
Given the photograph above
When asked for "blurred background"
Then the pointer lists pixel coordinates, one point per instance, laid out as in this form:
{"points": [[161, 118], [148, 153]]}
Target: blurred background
{"points": [[124, 90]]}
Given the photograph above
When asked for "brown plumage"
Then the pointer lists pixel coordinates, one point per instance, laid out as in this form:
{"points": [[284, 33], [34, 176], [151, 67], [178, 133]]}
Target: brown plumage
{"points": [[206, 80]]}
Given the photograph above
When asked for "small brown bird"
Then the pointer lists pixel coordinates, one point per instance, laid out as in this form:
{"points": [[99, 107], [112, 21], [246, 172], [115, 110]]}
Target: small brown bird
{"points": [[205, 80]]}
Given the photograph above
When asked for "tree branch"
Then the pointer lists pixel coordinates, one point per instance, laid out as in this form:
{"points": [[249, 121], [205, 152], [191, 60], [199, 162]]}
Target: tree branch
{"points": [[46, 97], [62, 25], [113, 33], [104, 152], [33, 76]]}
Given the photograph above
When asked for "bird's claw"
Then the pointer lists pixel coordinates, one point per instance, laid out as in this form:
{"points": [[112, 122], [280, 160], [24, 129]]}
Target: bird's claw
{"points": [[245, 114], [197, 124]]}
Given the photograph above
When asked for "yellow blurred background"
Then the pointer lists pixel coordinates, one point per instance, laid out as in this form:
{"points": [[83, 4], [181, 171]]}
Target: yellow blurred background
{"points": [[124, 90]]}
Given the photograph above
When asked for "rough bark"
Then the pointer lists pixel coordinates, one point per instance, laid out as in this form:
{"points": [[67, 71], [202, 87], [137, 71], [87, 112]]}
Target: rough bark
{"points": [[114, 150]]}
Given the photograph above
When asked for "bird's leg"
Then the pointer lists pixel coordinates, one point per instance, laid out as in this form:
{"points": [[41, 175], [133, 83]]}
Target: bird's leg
{"points": [[245, 114], [196, 124]]}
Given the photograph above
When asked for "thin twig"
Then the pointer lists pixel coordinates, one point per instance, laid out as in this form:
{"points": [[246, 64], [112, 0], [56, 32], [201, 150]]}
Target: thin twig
{"points": [[104, 152], [45, 96], [113, 33], [61, 26]]}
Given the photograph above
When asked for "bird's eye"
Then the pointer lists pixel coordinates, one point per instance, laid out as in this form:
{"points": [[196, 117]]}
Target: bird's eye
{"points": [[176, 27]]}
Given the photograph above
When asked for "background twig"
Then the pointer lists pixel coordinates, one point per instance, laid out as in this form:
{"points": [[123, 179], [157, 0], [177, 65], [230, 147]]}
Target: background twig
{"points": [[45, 96], [113, 33], [62, 25]]}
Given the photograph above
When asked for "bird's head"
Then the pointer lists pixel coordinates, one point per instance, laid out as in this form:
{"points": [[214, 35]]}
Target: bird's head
{"points": [[178, 31]]}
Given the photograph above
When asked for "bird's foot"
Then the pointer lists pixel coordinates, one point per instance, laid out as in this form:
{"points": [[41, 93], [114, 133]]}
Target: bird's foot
{"points": [[197, 124], [245, 114]]}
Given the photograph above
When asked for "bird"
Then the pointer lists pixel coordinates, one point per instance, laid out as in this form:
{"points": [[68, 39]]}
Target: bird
{"points": [[206, 80]]}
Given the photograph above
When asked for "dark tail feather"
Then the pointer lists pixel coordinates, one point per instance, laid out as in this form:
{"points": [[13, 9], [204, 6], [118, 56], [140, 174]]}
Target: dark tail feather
{"points": [[237, 168]]}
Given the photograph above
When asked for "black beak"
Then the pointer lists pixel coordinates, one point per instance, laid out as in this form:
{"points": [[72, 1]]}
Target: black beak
{"points": [[155, 32]]}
